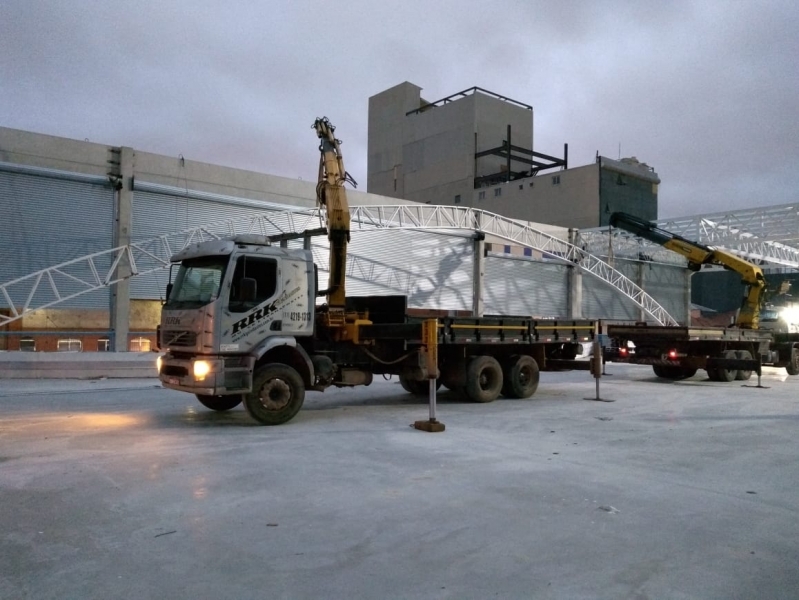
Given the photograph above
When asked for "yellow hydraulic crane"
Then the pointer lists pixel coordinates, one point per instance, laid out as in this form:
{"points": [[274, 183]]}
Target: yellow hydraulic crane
{"points": [[331, 195], [698, 255]]}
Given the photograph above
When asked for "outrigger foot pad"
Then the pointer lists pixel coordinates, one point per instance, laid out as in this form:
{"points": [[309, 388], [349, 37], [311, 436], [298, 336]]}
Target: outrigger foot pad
{"points": [[431, 426]]}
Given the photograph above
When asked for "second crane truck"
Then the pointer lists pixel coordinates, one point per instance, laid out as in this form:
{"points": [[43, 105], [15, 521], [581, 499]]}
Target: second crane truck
{"points": [[725, 353]]}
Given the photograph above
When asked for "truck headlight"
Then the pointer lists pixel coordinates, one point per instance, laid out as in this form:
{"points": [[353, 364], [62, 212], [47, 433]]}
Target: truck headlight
{"points": [[201, 369], [158, 362]]}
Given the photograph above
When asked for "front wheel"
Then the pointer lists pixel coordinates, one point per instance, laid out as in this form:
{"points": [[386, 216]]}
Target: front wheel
{"points": [[220, 403], [277, 394]]}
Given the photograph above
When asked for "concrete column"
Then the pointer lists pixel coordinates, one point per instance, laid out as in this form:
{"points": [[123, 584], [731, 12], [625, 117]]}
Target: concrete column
{"points": [[120, 292], [687, 298], [574, 282], [478, 275], [641, 265]]}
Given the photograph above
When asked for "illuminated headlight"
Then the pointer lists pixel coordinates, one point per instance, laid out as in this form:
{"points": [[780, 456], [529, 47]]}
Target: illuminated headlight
{"points": [[158, 362], [201, 369]]}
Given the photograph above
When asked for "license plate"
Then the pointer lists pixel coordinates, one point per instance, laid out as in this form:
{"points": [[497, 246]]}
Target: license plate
{"points": [[173, 380]]}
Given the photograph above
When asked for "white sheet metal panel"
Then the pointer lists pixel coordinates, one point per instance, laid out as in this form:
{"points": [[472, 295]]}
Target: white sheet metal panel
{"points": [[434, 270], [159, 210], [600, 301], [667, 284], [47, 218], [522, 286]]}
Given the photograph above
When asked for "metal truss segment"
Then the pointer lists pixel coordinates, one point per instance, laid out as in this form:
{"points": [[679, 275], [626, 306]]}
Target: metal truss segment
{"points": [[146, 256]]}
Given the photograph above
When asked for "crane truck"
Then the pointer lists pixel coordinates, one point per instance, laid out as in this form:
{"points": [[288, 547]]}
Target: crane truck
{"points": [[241, 324], [725, 353]]}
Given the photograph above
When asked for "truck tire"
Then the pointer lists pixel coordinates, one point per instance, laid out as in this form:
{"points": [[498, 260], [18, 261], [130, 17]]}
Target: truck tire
{"points": [[793, 366], [727, 375], [743, 375], [415, 387], [277, 394], [520, 377], [483, 379], [220, 403]]}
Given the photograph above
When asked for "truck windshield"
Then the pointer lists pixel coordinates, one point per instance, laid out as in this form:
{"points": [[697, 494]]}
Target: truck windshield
{"points": [[197, 282]]}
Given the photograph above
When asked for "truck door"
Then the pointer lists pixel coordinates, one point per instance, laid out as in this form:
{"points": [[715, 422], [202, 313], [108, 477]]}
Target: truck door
{"points": [[252, 314]]}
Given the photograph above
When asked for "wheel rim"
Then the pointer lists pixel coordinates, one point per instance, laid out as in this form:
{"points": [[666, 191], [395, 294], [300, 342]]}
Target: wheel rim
{"points": [[275, 394], [487, 380]]}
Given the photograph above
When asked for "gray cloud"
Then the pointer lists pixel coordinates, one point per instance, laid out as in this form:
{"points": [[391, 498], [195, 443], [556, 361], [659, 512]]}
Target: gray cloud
{"points": [[705, 92]]}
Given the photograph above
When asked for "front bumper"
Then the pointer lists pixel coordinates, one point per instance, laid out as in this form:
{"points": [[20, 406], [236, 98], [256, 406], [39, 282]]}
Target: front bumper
{"points": [[225, 374]]}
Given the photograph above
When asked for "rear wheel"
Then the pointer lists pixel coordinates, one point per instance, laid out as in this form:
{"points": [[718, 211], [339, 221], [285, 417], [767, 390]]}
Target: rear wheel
{"points": [[277, 394], [727, 374], [483, 379], [220, 403], [743, 375], [520, 377], [793, 367]]}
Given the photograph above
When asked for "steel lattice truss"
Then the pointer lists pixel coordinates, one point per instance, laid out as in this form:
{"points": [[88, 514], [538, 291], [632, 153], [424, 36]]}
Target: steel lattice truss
{"points": [[769, 234], [618, 243], [62, 282], [454, 217]]}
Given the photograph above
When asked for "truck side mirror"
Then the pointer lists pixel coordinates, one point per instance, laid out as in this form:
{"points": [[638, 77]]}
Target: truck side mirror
{"points": [[168, 290], [248, 289]]}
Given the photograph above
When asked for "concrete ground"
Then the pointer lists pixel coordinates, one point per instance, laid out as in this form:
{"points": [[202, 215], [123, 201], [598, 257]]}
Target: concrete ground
{"points": [[121, 489]]}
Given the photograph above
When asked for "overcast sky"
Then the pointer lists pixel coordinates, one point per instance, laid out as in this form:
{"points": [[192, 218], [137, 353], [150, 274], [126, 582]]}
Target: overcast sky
{"points": [[706, 92]]}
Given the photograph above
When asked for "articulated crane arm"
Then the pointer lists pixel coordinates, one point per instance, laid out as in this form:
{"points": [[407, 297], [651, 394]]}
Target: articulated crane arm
{"points": [[331, 195], [698, 255]]}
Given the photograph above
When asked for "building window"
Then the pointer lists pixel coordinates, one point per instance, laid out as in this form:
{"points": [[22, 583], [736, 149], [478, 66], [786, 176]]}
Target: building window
{"points": [[457, 198], [103, 345], [140, 345], [556, 180], [27, 345], [497, 192], [69, 345], [481, 195]]}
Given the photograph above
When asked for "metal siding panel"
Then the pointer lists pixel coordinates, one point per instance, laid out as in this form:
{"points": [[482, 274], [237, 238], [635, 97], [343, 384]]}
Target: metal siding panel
{"points": [[601, 301], [517, 286], [160, 214], [666, 284], [48, 221], [433, 270]]}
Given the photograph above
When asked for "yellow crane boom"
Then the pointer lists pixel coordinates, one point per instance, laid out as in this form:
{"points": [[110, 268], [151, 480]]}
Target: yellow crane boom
{"points": [[332, 197], [698, 255]]}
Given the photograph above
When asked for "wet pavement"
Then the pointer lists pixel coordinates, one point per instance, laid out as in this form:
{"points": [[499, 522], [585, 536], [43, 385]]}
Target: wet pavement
{"points": [[117, 488]]}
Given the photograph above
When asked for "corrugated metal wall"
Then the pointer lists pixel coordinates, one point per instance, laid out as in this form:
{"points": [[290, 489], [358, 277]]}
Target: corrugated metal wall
{"points": [[667, 284], [521, 286], [58, 216], [51, 217], [434, 270], [663, 282], [159, 210]]}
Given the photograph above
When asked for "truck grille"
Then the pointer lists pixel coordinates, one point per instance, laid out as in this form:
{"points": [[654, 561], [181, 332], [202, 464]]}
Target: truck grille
{"points": [[178, 338]]}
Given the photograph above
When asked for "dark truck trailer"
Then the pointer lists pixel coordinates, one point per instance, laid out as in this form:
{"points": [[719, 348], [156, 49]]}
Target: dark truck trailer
{"points": [[725, 353], [481, 357]]}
